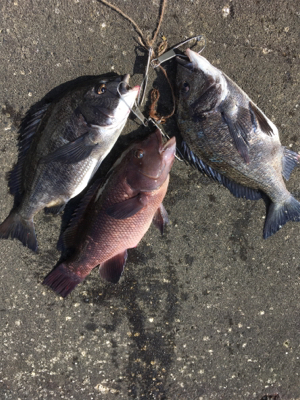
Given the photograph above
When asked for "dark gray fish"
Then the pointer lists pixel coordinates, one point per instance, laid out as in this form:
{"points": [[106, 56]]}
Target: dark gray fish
{"points": [[227, 137], [115, 215], [61, 148]]}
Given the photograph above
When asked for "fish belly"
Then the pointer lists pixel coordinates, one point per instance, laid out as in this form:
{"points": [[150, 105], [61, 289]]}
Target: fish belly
{"points": [[84, 177]]}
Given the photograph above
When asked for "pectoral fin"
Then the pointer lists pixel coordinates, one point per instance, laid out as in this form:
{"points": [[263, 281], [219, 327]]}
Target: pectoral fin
{"points": [[161, 218], [72, 152], [112, 269], [127, 208], [239, 126]]}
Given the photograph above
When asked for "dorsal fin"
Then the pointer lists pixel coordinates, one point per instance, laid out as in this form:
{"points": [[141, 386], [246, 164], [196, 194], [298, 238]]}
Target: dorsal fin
{"points": [[235, 188], [27, 131], [263, 122], [68, 237], [199, 164]]}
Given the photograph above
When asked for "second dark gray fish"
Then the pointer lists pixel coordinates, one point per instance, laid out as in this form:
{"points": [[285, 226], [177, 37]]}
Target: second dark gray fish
{"points": [[230, 139], [61, 148]]}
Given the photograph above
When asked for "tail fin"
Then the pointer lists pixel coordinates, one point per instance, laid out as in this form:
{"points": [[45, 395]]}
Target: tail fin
{"points": [[61, 280], [279, 214], [17, 227]]}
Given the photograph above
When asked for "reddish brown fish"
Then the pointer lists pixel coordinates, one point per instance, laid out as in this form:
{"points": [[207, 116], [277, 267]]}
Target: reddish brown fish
{"points": [[115, 216]]}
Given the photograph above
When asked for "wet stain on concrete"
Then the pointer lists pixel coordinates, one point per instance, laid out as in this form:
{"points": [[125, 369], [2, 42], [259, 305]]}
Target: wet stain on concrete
{"points": [[153, 349], [151, 316], [188, 259], [212, 198], [13, 114], [91, 326], [238, 240]]}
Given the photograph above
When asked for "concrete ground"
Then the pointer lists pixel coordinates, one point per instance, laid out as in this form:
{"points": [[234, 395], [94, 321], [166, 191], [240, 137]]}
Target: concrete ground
{"points": [[208, 311]]}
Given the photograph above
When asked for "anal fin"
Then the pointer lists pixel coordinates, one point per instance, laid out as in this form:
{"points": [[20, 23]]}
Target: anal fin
{"points": [[68, 239], [112, 269], [161, 219], [290, 160]]}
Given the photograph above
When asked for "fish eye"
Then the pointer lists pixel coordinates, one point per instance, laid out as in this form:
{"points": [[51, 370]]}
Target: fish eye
{"points": [[185, 87], [101, 89], [139, 153]]}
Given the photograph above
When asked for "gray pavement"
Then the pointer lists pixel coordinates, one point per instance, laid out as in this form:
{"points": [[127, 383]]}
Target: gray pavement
{"points": [[208, 311]]}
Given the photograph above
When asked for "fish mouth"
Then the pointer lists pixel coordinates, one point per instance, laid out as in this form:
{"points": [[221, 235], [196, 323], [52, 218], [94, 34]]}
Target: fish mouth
{"points": [[167, 152], [199, 63], [127, 96], [186, 63], [124, 87], [194, 61], [124, 84]]}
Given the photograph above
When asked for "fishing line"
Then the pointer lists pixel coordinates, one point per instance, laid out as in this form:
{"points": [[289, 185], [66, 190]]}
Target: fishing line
{"points": [[138, 114], [138, 30], [146, 43], [145, 79], [145, 121], [156, 62], [163, 133], [161, 57]]}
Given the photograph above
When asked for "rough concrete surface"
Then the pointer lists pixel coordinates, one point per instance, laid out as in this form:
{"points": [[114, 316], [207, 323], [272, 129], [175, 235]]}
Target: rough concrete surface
{"points": [[208, 311]]}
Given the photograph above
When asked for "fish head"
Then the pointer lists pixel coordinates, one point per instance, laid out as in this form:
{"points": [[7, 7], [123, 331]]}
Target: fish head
{"points": [[149, 162], [108, 102], [201, 86]]}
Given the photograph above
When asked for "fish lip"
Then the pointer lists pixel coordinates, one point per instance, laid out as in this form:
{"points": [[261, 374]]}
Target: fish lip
{"points": [[129, 97], [169, 150], [136, 88], [124, 84], [126, 93], [170, 145], [125, 90], [185, 63], [160, 149]]}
